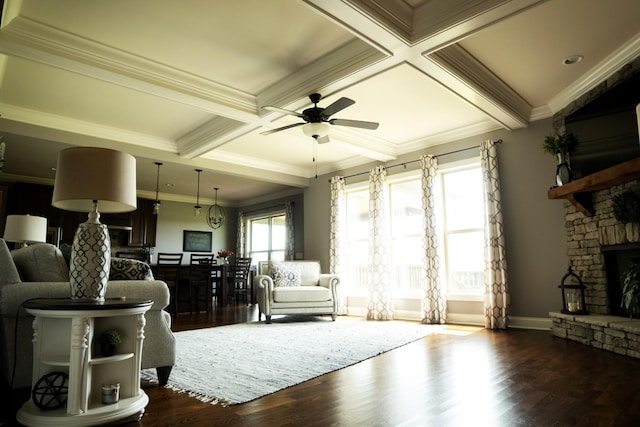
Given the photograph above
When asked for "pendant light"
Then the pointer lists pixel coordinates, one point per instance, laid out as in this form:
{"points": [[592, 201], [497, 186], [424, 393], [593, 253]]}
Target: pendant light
{"points": [[197, 208], [215, 219], [156, 204]]}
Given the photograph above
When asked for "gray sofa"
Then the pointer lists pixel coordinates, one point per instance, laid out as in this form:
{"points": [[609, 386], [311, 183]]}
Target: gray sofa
{"points": [[295, 287], [40, 271]]}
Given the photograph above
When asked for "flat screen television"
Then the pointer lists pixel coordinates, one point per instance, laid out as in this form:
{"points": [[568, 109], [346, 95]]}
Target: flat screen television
{"points": [[607, 129]]}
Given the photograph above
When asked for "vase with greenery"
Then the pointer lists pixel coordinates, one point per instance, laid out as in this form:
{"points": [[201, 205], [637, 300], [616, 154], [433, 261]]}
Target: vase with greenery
{"points": [[109, 341], [560, 146], [631, 288]]}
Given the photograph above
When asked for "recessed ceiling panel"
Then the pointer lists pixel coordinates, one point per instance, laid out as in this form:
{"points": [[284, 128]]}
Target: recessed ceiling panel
{"points": [[526, 51], [408, 105], [54, 91], [247, 45]]}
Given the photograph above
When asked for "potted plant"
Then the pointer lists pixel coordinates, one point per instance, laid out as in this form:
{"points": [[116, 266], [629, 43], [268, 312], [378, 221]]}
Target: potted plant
{"points": [[626, 207], [631, 288], [109, 341], [560, 146]]}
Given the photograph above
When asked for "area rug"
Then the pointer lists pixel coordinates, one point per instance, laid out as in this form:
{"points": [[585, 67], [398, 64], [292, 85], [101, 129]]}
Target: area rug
{"points": [[239, 363]]}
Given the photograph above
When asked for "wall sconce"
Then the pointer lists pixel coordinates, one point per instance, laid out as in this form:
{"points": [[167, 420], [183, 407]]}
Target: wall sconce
{"points": [[215, 219], [197, 208], [572, 289]]}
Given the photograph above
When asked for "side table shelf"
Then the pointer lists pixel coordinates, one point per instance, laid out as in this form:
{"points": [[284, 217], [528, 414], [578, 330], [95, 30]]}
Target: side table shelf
{"points": [[65, 335]]}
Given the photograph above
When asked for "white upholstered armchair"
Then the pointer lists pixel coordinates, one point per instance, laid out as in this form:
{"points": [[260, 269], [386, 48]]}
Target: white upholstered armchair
{"points": [[295, 287]]}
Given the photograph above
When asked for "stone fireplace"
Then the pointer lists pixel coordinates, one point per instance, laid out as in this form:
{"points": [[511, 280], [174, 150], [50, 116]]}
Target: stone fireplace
{"points": [[598, 245], [593, 240]]}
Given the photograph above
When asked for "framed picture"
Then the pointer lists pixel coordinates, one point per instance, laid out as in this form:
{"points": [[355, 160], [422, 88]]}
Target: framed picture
{"points": [[197, 241]]}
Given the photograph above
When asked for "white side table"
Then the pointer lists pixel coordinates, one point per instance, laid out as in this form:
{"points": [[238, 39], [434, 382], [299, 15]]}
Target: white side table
{"points": [[66, 339]]}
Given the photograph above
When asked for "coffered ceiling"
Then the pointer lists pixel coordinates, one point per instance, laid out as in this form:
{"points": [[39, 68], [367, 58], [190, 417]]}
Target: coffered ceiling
{"points": [[185, 83]]}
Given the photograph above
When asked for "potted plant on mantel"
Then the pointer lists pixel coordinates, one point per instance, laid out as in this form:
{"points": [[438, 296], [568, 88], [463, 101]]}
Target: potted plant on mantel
{"points": [[631, 288], [560, 146]]}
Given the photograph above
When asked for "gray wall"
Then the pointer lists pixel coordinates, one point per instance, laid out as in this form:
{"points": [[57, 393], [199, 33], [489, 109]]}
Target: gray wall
{"points": [[175, 217], [534, 225]]}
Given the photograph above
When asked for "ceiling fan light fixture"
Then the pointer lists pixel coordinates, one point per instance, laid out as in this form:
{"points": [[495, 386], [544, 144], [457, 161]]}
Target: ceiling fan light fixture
{"points": [[316, 130]]}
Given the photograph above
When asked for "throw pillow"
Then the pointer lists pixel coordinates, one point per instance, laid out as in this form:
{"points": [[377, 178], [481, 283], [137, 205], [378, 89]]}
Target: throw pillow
{"points": [[286, 274], [129, 269], [9, 273], [42, 262]]}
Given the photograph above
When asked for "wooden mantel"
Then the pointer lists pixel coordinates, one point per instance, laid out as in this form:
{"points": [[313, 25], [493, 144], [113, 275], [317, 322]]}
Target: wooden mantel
{"points": [[578, 192]]}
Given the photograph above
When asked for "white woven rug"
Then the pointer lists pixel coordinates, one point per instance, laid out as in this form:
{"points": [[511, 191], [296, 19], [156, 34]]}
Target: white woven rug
{"points": [[239, 363]]}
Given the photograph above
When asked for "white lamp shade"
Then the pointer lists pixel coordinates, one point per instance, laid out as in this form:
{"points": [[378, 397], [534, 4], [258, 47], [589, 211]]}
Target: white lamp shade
{"points": [[25, 228], [316, 130], [85, 174]]}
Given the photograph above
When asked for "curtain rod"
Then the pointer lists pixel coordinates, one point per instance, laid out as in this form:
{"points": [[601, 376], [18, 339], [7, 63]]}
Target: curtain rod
{"points": [[415, 161], [265, 209]]}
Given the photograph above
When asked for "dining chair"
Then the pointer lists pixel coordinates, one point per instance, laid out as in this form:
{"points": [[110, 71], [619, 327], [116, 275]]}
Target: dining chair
{"points": [[200, 281], [239, 280], [168, 270]]}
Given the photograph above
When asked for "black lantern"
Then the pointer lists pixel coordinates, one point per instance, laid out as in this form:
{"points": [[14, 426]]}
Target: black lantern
{"points": [[572, 290]]}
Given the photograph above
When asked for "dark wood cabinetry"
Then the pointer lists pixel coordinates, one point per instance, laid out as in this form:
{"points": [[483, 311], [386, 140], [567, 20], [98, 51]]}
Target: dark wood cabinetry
{"points": [[35, 199]]}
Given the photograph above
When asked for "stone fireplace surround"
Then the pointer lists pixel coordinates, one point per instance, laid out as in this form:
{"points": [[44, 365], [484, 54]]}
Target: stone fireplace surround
{"points": [[586, 237]]}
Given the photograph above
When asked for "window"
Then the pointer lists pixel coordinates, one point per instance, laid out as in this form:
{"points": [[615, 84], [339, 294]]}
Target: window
{"points": [[463, 230], [406, 236], [266, 237], [460, 218]]}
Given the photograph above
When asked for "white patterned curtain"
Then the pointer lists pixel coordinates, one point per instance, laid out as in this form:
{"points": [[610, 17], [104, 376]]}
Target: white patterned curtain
{"points": [[496, 298], [241, 249], [336, 236], [380, 303], [289, 248], [433, 306]]}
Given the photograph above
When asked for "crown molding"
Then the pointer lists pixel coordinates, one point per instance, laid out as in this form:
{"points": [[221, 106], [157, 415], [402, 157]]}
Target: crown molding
{"points": [[211, 135], [35, 41], [295, 88], [449, 136], [490, 94], [79, 127]]}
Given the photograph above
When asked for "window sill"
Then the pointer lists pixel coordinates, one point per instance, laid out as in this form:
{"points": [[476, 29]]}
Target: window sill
{"points": [[465, 297]]}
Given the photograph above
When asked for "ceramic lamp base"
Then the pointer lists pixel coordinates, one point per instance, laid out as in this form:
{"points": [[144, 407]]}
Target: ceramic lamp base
{"points": [[90, 261]]}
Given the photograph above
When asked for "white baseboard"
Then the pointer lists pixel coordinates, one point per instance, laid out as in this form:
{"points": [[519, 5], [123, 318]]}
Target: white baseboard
{"points": [[540, 323], [516, 322]]}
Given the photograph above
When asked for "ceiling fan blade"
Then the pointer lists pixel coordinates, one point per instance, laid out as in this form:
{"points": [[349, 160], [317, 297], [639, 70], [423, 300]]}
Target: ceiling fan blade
{"points": [[282, 110], [355, 123], [339, 105], [323, 139], [270, 131]]}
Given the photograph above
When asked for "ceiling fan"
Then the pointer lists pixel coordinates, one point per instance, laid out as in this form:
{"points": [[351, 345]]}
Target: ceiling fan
{"points": [[317, 119]]}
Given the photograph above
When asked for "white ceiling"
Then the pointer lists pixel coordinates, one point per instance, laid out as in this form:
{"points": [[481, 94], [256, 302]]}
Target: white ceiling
{"points": [[184, 82]]}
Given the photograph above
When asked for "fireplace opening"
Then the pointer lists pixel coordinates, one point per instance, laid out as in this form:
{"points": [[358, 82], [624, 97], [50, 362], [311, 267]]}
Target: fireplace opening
{"points": [[617, 259]]}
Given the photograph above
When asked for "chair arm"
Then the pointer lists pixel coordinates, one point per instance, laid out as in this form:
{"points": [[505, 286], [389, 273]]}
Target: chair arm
{"points": [[329, 280], [264, 289]]}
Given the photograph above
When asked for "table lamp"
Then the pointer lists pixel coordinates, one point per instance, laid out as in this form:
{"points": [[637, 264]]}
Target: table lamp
{"points": [[25, 229], [88, 178]]}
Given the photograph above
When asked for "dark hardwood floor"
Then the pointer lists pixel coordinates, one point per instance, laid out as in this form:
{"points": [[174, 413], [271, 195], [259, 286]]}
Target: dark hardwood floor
{"points": [[464, 376]]}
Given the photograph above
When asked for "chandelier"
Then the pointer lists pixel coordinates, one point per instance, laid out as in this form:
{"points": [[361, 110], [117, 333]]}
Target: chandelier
{"points": [[216, 214], [156, 203], [197, 207]]}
